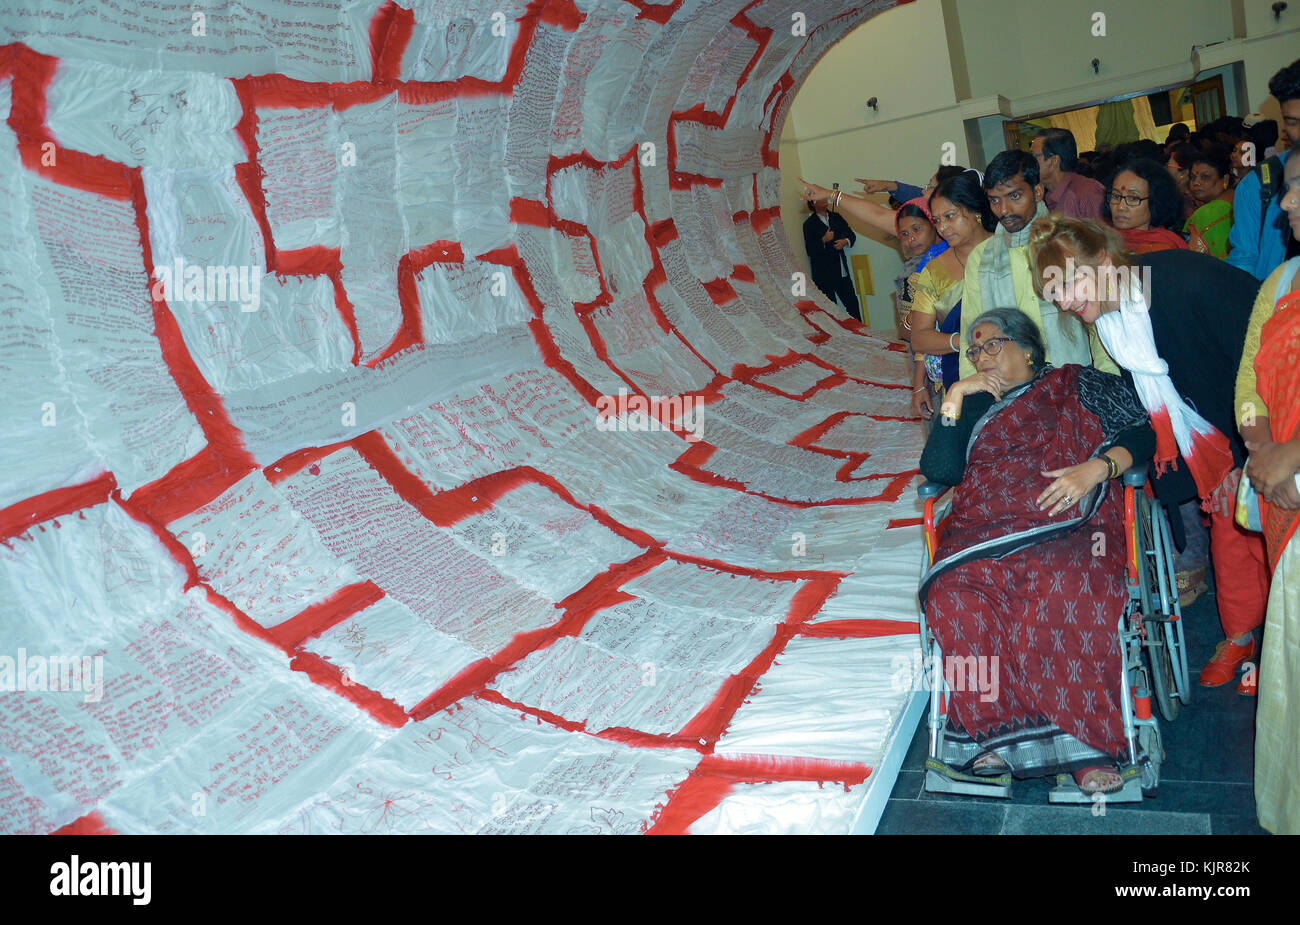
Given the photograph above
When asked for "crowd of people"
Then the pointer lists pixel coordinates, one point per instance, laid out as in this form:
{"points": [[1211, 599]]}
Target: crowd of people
{"points": [[1069, 316]]}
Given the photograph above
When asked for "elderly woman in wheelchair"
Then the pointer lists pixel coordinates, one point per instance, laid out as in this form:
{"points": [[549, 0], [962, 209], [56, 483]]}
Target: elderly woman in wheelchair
{"points": [[1028, 579]]}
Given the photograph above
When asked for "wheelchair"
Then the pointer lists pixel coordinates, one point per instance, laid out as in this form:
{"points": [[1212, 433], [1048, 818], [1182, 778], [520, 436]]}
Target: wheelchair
{"points": [[1151, 640]]}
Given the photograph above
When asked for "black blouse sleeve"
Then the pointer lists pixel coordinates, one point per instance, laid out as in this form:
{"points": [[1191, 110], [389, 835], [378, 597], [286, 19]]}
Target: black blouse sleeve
{"points": [[944, 457], [1124, 421]]}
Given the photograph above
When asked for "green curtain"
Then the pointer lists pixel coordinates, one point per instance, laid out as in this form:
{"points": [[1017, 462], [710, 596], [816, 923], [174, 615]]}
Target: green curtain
{"points": [[1115, 123]]}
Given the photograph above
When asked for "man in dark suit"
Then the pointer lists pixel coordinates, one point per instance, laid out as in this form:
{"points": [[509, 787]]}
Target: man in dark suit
{"points": [[825, 235]]}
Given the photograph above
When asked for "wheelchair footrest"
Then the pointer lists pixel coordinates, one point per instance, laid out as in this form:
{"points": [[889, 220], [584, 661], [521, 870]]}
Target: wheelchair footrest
{"points": [[1067, 791], [939, 778]]}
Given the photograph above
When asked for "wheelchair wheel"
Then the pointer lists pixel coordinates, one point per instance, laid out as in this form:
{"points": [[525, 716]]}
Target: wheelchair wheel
{"points": [[1176, 646], [1164, 678], [1157, 606], [1153, 756]]}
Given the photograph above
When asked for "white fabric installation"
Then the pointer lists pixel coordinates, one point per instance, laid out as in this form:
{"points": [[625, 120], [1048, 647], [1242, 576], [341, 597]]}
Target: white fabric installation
{"points": [[409, 427]]}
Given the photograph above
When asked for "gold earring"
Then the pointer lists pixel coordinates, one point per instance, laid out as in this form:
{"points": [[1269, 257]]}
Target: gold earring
{"points": [[1030, 359]]}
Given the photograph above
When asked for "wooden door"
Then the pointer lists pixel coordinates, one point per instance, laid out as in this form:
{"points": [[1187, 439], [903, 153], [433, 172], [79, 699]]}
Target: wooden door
{"points": [[1208, 101]]}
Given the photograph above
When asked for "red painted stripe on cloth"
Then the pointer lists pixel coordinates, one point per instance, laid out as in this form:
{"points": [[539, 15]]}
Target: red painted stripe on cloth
{"points": [[241, 619], [562, 13], [390, 32], [307, 261], [330, 676], [601, 349], [411, 332], [716, 777], [719, 291], [621, 734], [807, 438], [37, 147], [761, 219], [90, 824], [174, 547], [320, 261], [317, 618], [348, 313], [298, 460], [684, 181], [203, 401], [599, 593], [189, 485], [509, 256], [529, 212], [694, 798], [860, 629], [18, 517], [275, 91], [764, 768], [656, 12], [751, 374], [691, 465], [787, 575], [663, 232], [408, 486], [522, 645], [709, 724], [324, 673], [761, 35]]}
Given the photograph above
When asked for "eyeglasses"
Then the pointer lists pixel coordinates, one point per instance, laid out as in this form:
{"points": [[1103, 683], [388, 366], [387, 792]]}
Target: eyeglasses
{"points": [[992, 346], [1129, 198]]}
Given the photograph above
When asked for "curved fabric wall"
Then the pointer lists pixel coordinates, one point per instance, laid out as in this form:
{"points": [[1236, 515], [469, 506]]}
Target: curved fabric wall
{"points": [[421, 435]]}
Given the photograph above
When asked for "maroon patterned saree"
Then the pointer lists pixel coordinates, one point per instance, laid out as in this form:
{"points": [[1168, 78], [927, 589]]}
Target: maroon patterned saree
{"points": [[1042, 620]]}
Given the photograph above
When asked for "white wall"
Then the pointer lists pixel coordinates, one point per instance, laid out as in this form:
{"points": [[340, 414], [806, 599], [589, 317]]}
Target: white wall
{"points": [[1024, 47], [1268, 47], [1033, 54], [901, 58]]}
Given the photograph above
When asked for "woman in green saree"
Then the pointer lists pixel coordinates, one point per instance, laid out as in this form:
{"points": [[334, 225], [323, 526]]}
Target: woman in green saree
{"points": [[1210, 184]]}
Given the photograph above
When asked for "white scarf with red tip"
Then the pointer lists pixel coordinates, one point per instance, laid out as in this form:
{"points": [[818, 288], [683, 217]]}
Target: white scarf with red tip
{"points": [[1128, 338]]}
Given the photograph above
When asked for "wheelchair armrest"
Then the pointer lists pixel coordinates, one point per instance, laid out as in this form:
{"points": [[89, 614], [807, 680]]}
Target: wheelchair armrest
{"points": [[931, 490], [1136, 476]]}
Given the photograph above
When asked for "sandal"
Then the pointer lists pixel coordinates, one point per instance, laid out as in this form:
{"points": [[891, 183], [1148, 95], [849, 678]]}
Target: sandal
{"points": [[1191, 584], [989, 764], [1088, 782]]}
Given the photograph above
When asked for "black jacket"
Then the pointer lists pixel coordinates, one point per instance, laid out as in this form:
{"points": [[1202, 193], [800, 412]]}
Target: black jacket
{"points": [[1200, 307], [823, 258]]}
